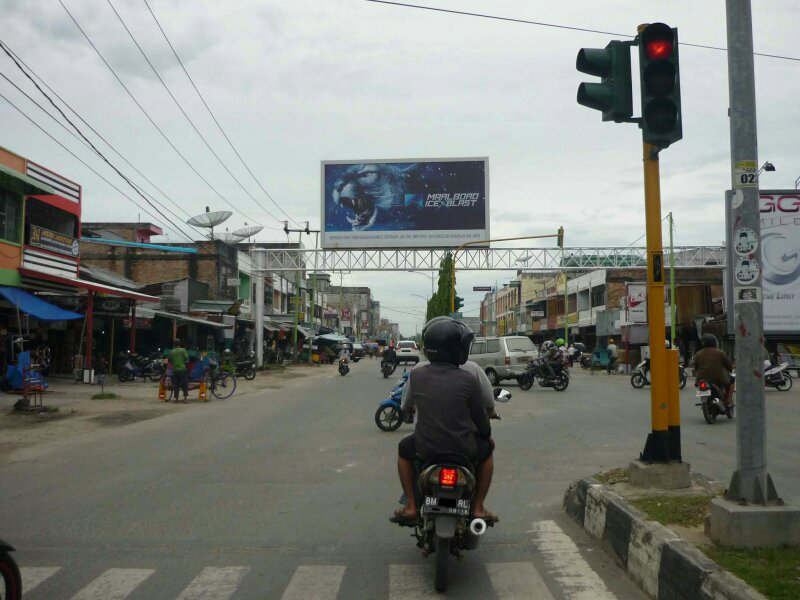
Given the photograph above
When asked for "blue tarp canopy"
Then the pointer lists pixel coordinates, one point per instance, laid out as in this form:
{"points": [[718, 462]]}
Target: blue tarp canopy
{"points": [[36, 307]]}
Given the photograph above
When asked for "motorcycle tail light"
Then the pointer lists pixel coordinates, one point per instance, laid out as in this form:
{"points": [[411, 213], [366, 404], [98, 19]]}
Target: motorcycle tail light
{"points": [[703, 385], [448, 477]]}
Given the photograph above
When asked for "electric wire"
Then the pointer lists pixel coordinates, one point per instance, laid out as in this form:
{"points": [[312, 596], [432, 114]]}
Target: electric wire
{"points": [[210, 112], [557, 26], [97, 133], [79, 159], [149, 118], [183, 112]]}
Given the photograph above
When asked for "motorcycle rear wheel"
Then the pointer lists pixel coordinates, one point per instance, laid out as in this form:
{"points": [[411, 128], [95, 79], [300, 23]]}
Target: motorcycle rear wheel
{"points": [[637, 380], [561, 383], [708, 414], [250, 374], [388, 418], [683, 378], [442, 556], [525, 382], [785, 385], [11, 578]]}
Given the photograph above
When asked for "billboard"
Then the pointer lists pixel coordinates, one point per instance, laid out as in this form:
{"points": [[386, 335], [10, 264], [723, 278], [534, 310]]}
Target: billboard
{"points": [[432, 203], [780, 261], [636, 304]]}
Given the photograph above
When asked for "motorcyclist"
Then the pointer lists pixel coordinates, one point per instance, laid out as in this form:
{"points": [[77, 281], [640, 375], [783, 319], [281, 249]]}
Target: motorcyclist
{"points": [[612, 355], [713, 365], [562, 350], [389, 355], [552, 356], [344, 354], [451, 417]]}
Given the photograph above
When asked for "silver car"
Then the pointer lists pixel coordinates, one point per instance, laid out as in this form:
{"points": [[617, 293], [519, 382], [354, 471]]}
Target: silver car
{"points": [[503, 357]]}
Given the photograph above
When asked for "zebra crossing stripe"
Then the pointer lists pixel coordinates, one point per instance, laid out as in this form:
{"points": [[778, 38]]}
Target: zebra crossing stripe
{"points": [[411, 582], [214, 583], [566, 564], [320, 582], [114, 584], [517, 581], [33, 576]]}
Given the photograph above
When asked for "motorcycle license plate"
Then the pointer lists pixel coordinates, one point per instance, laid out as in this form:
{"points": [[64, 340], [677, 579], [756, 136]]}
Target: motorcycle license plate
{"points": [[446, 506], [705, 393]]}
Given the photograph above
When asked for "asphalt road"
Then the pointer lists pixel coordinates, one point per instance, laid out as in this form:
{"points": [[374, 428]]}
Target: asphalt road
{"points": [[285, 493]]}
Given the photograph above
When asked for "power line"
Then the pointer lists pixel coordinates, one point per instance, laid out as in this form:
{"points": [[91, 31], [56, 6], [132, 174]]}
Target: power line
{"points": [[149, 118], [557, 26], [89, 125], [183, 112], [79, 159], [203, 100], [100, 154]]}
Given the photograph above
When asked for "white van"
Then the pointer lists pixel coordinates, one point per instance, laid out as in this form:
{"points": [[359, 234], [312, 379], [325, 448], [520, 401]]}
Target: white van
{"points": [[503, 357]]}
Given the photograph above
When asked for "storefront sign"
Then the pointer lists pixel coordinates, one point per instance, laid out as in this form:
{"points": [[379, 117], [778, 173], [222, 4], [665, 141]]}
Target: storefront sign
{"points": [[54, 242], [111, 307], [141, 323]]}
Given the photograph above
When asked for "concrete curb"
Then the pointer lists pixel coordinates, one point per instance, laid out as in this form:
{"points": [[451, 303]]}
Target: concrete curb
{"points": [[664, 566]]}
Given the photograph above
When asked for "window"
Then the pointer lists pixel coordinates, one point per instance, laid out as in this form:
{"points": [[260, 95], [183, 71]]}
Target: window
{"points": [[599, 295], [478, 348], [10, 205], [492, 346], [520, 344]]}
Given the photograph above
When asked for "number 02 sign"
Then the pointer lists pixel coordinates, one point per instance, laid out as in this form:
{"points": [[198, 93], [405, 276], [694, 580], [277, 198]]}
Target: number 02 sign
{"points": [[745, 174]]}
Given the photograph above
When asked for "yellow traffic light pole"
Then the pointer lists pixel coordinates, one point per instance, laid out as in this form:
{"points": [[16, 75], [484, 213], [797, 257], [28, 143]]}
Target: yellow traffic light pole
{"points": [[661, 444], [462, 246]]}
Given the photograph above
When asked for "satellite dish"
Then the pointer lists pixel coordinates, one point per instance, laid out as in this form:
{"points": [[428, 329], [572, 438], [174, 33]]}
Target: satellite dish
{"points": [[210, 219], [250, 231], [229, 238]]}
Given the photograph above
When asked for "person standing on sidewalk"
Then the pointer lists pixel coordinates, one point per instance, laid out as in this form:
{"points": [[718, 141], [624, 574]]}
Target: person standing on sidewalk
{"points": [[612, 355], [179, 358]]}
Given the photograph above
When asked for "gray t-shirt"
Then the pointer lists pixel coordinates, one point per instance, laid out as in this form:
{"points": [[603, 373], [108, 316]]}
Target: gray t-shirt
{"points": [[450, 413], [487, 391]]}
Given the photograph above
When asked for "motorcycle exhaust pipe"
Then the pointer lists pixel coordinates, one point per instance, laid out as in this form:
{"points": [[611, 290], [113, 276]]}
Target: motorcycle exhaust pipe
{"points": [[477, 527]]}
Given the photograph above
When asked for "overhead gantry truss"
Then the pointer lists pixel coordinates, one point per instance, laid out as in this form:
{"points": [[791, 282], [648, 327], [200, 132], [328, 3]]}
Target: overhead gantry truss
{"points": [[484, 259]]}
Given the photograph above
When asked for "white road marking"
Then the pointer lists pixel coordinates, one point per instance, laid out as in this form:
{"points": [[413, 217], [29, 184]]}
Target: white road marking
{"points": [[114, 584], [517, 581], [214, 583], [33, 576], [320, 582], [566, 565], [411, 582]]}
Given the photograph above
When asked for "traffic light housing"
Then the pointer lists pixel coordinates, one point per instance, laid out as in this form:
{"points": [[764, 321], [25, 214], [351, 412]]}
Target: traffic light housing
{"points": [[659, 73], [560, 237], [458, 303], [613, 96]]}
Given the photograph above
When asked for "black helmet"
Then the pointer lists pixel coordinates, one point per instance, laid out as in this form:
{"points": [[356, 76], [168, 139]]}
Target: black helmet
{"points": [[708, 341], [447, 340]]}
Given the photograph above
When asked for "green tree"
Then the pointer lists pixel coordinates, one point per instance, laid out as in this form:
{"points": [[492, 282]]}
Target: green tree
{"points": [[441, 302]]}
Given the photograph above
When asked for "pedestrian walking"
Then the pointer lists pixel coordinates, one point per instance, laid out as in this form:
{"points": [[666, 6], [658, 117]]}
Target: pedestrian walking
{"points": [[612, 355], [179, 358]]}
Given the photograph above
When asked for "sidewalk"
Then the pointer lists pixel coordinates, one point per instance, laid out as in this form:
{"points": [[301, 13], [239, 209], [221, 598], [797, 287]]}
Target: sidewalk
{"points": [[72, 412]]}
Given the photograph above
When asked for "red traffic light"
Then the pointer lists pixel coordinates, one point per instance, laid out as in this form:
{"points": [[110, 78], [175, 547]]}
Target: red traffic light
{"points": [[658, 49]]}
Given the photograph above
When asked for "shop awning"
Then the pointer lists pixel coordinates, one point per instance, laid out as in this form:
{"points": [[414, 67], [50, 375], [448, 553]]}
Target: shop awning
{"points": [[271, 327], [36, 307], [146, 312], [22, 184], [87, 285]]}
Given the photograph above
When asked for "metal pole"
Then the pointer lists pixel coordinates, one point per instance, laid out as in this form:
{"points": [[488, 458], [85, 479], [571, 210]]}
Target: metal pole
{"points": [[750, 482], [672, 309], [657, 447], [566, 310], [259, 260], [313, 317], [296, 296]]}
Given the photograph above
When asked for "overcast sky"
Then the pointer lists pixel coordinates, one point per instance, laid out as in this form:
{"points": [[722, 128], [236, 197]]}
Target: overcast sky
{"points": [[294, 82]]}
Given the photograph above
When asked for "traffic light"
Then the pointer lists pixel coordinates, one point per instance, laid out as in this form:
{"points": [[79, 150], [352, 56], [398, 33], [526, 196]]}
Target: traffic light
{"points": [[560, 237], [458, 303], [660, 81], [613, 96]]}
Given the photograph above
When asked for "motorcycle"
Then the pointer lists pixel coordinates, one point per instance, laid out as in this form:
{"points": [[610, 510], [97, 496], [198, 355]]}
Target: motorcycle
{"points": [[536, 369], [388, 368], [246, 368], [9, 571], [778, 377], [712, 400], [444, 490], [344, 367], [389, 415], [641, 375], [135, 366]]}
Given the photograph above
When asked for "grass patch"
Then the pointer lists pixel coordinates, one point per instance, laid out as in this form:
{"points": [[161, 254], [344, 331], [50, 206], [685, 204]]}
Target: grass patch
{"points": [[775, 572], [105, 396], [688, 511], [612, 476]]}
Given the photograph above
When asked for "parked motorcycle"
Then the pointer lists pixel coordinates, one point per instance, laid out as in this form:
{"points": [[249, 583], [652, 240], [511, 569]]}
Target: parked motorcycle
{"points": [[389, 415], [344, 368], [641, 375], [536, 369], [246, 368], [387, 368], [9, 572], [134, 366], [445, 488], [778, 377], [712, 400]]}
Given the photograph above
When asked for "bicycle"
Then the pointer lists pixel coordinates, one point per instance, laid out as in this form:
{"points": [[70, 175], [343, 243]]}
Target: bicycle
{"points": [[220, 382]]}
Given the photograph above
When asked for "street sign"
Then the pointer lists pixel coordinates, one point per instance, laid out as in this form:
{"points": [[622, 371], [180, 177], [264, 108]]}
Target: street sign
{"points": [[482, 288], [537, 313]]}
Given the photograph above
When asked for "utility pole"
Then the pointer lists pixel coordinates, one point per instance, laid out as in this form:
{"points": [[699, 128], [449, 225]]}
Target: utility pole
{"points": [[313, 316], [300, 233], [672, 309], [259, 316]]}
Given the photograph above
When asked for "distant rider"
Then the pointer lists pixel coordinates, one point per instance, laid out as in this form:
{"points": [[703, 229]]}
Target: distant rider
{"points": [[389, 355], [612, 355], [344, 354], [713, 365]]}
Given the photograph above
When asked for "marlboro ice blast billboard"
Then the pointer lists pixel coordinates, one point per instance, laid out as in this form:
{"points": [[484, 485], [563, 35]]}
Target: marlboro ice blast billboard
{"points": [[435, 203]]}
